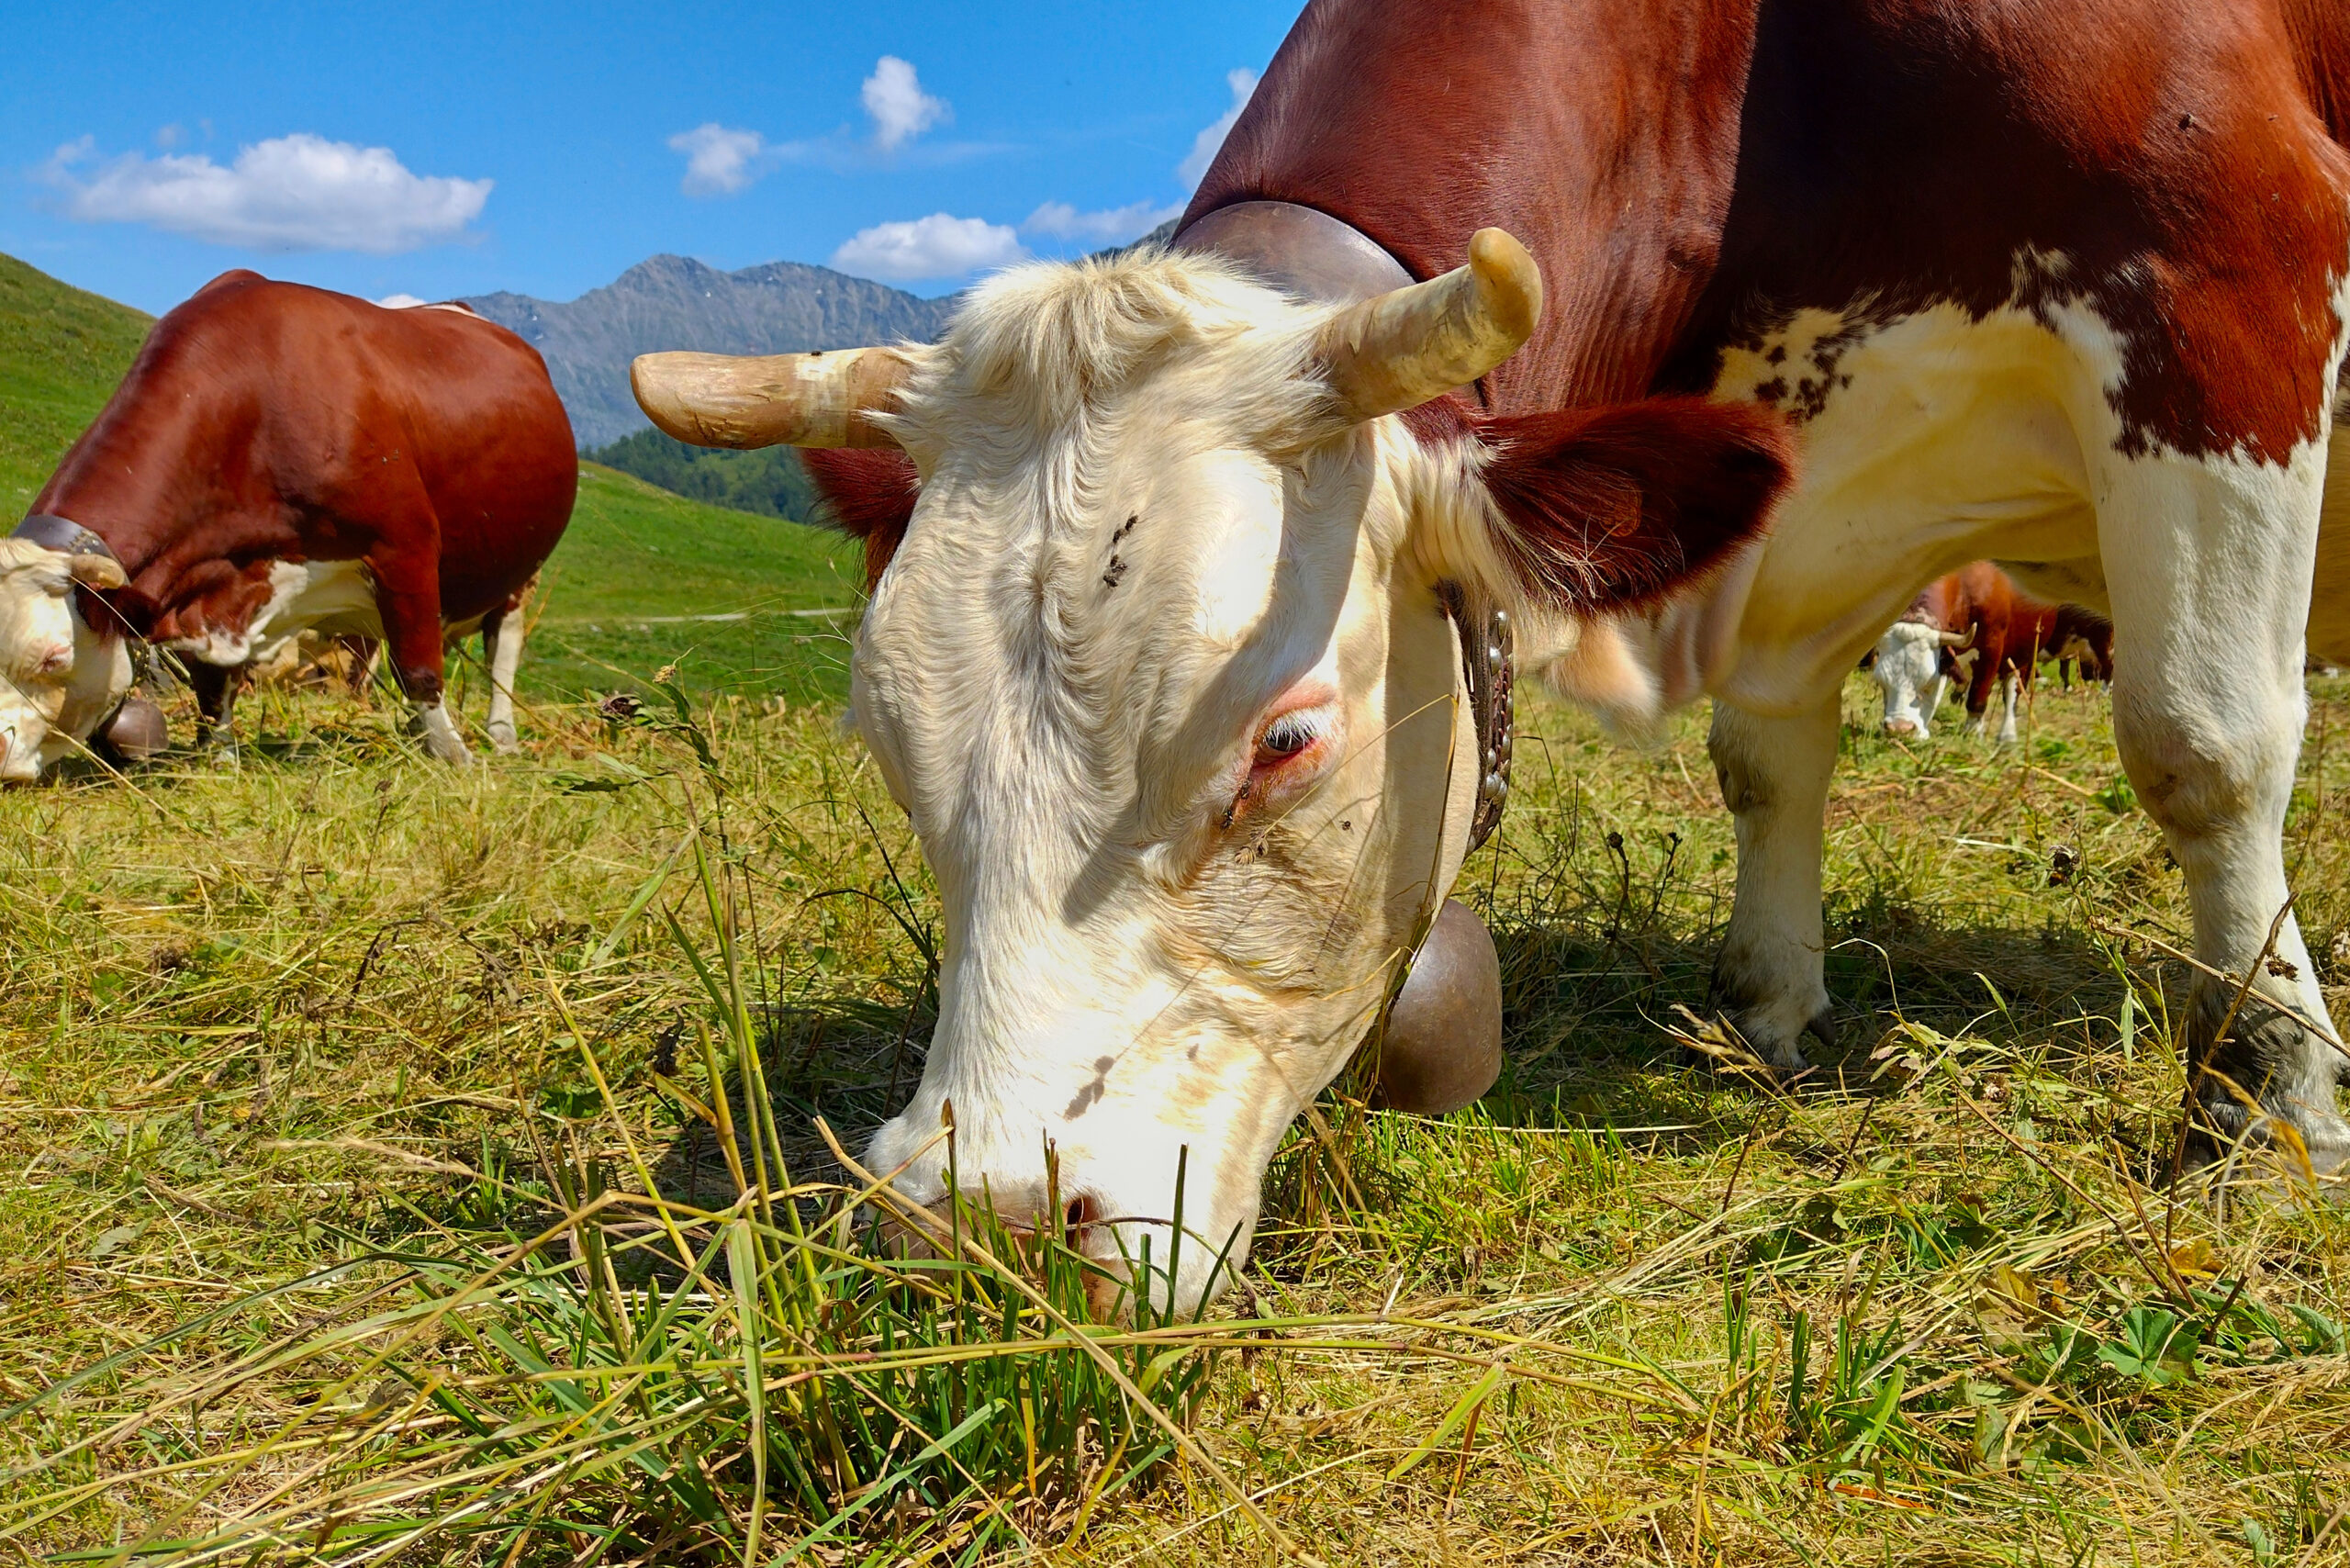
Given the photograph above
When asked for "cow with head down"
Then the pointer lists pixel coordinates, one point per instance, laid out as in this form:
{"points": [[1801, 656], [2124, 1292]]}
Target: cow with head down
{"points": [[1158, 662], [1977, 627], [1157, 658], [282, 459]]}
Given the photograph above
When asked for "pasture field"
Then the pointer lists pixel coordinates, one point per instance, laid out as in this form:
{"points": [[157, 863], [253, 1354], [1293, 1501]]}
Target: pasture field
{"points": [[754, 606], [62, 351], [327, 1085]]}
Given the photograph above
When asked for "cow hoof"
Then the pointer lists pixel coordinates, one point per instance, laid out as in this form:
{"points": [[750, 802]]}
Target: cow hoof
{"points": [[431, 724], [2293, 1165], [503, 740], [1758, 1046], [1442, 1047]]}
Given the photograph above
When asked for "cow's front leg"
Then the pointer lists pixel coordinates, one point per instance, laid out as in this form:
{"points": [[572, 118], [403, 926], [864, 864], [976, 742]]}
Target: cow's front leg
{"points": [[408, 595], [2210, 570], [216, 687], [1773, 775]]}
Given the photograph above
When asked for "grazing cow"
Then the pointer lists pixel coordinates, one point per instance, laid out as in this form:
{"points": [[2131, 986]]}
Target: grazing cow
{"points": [[2082, 640], [282, 459], [1977, 621], [1164, 559]]}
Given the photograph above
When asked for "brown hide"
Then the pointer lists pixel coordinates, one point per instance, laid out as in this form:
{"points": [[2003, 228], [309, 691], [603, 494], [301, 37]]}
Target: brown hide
{"points": [[268, 421], [1689, 174]]}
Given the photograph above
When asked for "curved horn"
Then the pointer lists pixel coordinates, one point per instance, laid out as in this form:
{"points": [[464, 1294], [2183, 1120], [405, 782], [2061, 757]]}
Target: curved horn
{"points": [[798, 399], [96, 571], [1954, 639], [1400, 348]]}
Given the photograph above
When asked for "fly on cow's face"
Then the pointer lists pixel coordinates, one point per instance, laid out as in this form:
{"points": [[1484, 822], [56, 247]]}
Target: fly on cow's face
{"points": [[1117, 569]]}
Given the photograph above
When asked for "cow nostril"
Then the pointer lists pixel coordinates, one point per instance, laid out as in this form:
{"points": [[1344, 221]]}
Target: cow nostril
{"points": [[1081, 1215]]}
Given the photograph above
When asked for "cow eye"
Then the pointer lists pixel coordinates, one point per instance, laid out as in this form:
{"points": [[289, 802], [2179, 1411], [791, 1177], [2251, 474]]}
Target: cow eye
{"points": [[1285, 737]]}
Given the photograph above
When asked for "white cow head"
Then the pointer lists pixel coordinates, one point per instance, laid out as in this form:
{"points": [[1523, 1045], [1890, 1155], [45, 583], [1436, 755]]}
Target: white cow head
{"points": [[1155, 665], [58, 678], [1908, 670]]}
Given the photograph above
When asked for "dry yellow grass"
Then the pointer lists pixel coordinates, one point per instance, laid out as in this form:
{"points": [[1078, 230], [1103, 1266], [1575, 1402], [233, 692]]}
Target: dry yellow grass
{"points": [[257, 1022]]}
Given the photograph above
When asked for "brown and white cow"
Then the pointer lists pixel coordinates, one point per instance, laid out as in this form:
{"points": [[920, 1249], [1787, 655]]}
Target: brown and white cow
{"points": [[281, 459], [1155, 659], [1976, 625]]}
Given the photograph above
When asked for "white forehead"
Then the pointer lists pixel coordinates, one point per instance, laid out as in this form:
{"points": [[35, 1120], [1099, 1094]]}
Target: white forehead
{"points": [[1908, 637], [1133, 511], [35, 609]]}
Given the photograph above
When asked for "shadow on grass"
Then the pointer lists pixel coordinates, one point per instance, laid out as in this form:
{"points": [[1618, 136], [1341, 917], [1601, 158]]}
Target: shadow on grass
{"points": [[1586, 1015], [851, 1062]]}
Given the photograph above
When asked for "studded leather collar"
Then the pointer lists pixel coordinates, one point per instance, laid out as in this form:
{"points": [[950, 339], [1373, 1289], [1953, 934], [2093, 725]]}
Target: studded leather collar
{"points": [[53, 532], [1311, 254]]}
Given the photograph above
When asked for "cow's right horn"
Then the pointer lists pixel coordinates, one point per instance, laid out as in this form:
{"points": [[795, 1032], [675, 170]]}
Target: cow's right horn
{"points": [[1399, 349], [797, 400], [1956, 640]]}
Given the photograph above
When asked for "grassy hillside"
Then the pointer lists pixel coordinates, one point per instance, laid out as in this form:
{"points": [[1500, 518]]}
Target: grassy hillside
{"points": [[62, 351], [633, 587], [645, 579]]}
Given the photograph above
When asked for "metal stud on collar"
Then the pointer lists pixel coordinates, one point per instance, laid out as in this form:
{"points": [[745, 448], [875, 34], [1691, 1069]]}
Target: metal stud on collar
{"points": [[1486, 668]]}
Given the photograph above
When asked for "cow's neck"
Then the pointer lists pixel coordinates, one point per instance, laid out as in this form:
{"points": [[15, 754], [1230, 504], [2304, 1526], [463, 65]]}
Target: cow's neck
{"points": [[171, 504], [1603, 133]]}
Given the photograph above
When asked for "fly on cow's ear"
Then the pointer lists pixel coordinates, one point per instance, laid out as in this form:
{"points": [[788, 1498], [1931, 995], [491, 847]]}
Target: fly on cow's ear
{"points": [[1611, 507]]}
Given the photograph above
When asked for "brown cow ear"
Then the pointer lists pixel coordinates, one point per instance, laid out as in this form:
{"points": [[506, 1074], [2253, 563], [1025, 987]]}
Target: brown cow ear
{"points": [[868, 494], [1614, 507]]}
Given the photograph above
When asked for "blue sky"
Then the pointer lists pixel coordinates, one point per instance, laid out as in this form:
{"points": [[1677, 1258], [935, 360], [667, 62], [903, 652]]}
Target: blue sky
{"points": [[438, 149]]}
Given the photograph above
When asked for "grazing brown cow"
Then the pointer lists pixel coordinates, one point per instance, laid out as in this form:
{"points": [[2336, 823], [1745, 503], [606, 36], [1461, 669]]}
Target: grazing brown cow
{"points": [[1975, 625], [281, 458]]}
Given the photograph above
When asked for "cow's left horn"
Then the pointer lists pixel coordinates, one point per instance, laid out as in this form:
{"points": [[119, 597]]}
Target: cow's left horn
{"points": [[1403, 347], [796, 399]]}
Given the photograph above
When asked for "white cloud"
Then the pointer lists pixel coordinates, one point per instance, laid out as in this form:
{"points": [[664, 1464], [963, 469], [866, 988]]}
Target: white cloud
{"points": [[900, 109], [169, 135], [1204, 146], [719, 161], [291, 193], [399, 302], [1113, 226], [936, 246]]}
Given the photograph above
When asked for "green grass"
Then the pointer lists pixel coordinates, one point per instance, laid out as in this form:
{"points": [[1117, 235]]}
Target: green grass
{"points": [[334, 1089], [642, 577], [62, 351], [344, 1012]]}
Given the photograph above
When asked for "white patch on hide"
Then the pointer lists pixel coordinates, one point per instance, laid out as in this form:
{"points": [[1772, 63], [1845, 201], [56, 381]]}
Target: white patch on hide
{"points": [[337, 597]]}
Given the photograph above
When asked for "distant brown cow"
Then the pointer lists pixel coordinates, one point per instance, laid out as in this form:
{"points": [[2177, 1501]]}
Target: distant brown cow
{"points": [[1975, 625], [280, 459]]}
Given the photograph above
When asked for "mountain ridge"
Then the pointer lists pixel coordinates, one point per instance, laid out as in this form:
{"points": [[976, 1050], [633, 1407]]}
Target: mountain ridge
{"points": [[675, 302]]}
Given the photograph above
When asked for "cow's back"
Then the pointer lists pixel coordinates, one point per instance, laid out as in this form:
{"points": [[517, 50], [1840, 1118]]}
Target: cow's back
{"points": [[494, 447]]}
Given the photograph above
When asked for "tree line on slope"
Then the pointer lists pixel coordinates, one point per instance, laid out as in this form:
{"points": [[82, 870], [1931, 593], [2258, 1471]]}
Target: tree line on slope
{"points": [[768, 482]]}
